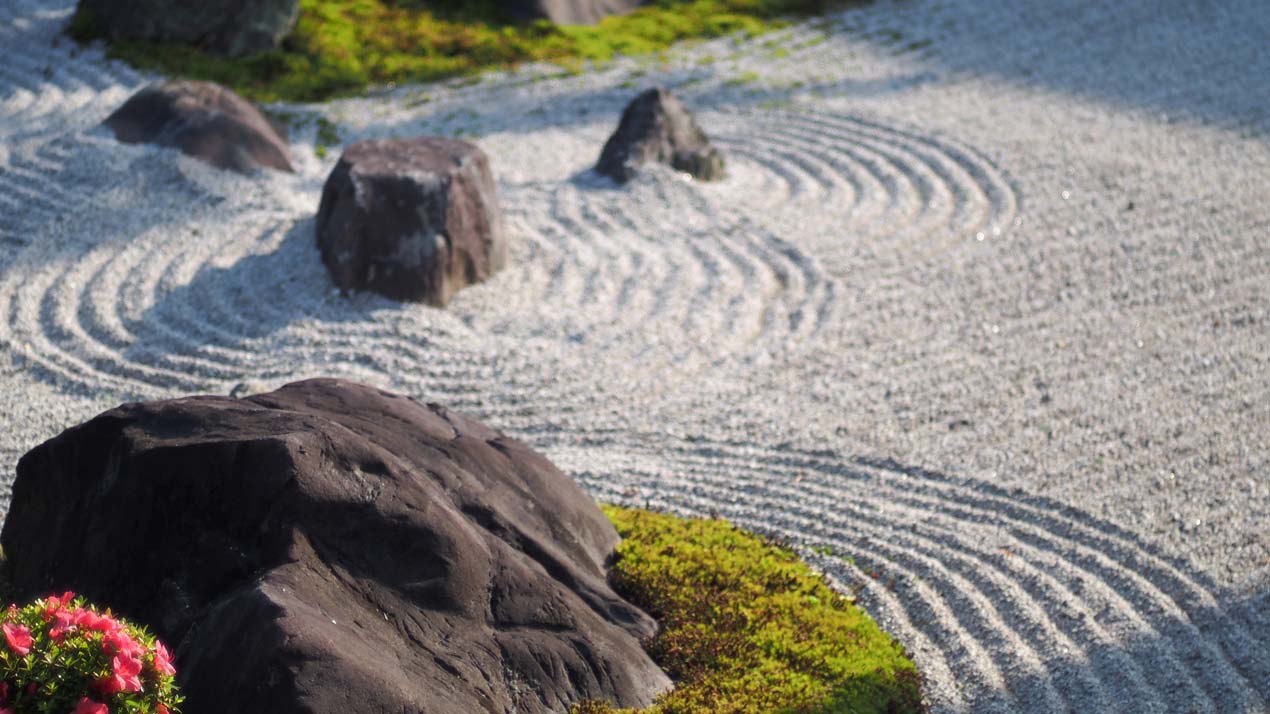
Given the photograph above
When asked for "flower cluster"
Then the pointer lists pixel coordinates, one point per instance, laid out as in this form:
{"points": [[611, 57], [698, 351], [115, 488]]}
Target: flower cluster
{"points": [[62, 655]]}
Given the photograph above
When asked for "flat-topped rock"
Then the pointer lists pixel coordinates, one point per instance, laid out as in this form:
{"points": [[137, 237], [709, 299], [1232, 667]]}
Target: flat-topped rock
{"points": [[329, 543], [412, 219], [229, 27], [206, 121], [657, 128]]}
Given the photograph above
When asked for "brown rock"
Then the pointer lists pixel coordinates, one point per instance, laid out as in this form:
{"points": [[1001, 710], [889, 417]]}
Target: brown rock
{"points": [[206, 121], [229, 27], [657, 128], [329, 547], [413, 219]]}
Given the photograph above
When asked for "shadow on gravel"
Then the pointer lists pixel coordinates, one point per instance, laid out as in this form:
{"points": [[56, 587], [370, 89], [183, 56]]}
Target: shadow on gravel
{"points": [[1216, 661], [82, 201], [1186, 60], [1194, 61], [1211, 652], [257, 296], [521, 113]]}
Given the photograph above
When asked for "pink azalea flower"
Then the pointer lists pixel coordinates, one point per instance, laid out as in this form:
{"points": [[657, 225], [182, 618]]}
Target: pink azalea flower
{"points": [[18, 637], [161, 708], [7, 710], [63, 623], [163, 660], [88, 706], [55, 603], [89, 620], [119, 642], [127, 670]]}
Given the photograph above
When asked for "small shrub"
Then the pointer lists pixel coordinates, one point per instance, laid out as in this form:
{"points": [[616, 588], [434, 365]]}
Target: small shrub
{"points": [[60, 655]]}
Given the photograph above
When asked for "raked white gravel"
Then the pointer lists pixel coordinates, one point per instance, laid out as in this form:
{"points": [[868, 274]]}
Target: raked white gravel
{"points": [[980, 318]]}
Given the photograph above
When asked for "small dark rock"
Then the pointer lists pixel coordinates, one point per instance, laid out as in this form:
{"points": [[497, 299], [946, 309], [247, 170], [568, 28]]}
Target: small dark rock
{"points": [[228, 27], [571, 12], [329, 547], [204, 120], [412, 219], [656, 128]]}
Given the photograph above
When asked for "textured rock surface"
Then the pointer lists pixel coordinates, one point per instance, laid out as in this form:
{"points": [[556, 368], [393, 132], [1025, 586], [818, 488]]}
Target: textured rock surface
{"points": [[656, 128], [204, 120], [230, 27], [329, 543], [571, 12], [413, 219]]}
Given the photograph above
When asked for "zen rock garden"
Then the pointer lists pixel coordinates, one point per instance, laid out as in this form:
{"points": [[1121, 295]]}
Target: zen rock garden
{"points": [[332, 547], [634, 357]]}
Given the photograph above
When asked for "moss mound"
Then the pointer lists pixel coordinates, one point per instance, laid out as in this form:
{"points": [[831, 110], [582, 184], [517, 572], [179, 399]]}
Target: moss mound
{"points": [[342, 46], [748, 628]]}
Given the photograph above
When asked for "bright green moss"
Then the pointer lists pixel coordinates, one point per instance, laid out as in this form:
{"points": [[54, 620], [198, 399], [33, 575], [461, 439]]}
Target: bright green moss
{"points": [[342, 46], [748, 628]]}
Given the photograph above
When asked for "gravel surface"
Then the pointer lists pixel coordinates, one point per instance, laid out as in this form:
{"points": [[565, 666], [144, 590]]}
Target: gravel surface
{"points": [[980, 317]]}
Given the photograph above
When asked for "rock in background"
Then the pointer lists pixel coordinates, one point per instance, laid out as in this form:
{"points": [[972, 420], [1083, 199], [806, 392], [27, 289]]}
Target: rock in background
{"points": [[412, 219], [657, 128], [571, 12], [228, 27], [206, 121], [332, 547]]}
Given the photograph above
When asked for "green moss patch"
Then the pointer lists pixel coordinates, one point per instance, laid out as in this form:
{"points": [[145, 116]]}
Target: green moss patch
{"points": [[748, 628], [342, 46]]}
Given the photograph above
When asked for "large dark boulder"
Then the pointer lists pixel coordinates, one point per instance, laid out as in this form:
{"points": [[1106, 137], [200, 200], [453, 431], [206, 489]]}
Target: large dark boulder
{"points": [[204, 120], [656, 128], [412, 219], [571, 12], [329, 547], [229, 27]]}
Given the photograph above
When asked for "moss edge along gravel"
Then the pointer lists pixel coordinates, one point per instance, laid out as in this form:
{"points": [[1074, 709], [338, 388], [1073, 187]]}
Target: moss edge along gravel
{"points": [[748, 628], [340, 47]]}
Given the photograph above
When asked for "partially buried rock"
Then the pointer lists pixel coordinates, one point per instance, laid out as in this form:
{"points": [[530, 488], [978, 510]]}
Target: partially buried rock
{"points": [[206, 121], [229, 27], [412, 219], [656, 128], [570, 12], [329, 547]]}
